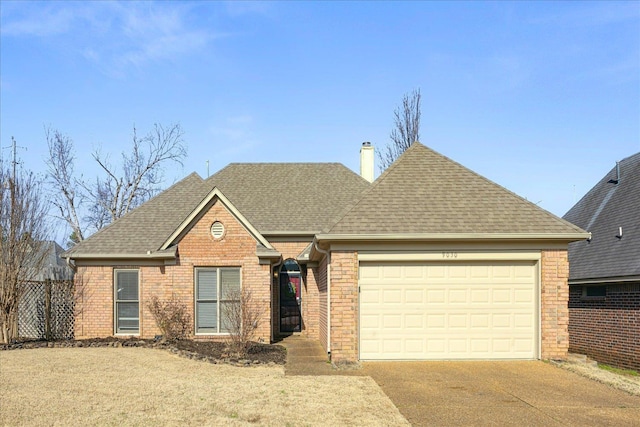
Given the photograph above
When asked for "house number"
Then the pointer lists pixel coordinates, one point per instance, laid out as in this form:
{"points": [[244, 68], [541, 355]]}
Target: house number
{"points": [[449, 254]]}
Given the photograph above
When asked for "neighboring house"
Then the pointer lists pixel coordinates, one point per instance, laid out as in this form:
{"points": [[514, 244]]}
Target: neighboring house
{"points": [[604, 283], [430, 261]]}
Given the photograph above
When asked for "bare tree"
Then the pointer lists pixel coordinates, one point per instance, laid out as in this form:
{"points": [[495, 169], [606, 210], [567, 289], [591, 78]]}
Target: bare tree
{"points": [[241, 315], [120, 188], [60, 170], [406, 130], [23, 228]]}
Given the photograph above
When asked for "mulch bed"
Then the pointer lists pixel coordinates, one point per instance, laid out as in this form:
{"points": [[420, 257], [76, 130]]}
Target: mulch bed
{"points": [[213, 352]]}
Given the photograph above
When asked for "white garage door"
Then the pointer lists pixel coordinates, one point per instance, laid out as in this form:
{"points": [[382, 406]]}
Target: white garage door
{"points": [[471, 310]]}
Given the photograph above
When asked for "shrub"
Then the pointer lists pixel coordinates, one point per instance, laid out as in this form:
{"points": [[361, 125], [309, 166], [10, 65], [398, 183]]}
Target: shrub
{"points": [[241, 319], [171, 316]]}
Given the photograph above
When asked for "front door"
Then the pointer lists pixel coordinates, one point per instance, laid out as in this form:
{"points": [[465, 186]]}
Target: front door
{"points": [[290, 297]]}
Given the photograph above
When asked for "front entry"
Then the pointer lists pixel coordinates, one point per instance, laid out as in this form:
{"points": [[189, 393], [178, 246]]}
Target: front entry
{"points": [[290, 297]]}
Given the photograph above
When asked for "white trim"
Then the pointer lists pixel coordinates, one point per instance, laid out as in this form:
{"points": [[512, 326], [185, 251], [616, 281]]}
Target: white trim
{"points": [[230, 207], [605, 280], [453, 255], [115, 302], [568, 237]]}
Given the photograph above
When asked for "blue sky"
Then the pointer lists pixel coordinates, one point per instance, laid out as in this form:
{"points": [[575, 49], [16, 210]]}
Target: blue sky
{"points": [[539, 97]]}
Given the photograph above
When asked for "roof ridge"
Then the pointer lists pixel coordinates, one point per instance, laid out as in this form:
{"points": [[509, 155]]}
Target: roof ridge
{"points": [[344, 212]]}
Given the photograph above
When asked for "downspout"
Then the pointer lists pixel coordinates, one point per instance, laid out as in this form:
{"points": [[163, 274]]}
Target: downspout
{"points": [[271, 280], [328, 255]]}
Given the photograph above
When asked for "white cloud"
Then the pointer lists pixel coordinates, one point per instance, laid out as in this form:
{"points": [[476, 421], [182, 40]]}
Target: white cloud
{"points": [[114, 36]]}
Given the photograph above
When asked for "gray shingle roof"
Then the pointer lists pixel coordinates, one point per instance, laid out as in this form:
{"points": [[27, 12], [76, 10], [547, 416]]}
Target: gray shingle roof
{"points": [[289, 197], [281, 197], [425, 192], [149, 225], [605, 208]]}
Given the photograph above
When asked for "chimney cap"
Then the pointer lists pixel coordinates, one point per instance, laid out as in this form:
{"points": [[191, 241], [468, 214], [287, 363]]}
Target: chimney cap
{"points": [[366, 144]]}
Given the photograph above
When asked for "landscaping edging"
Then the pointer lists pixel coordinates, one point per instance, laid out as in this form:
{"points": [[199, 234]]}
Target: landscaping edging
{"points": [[118, 343]]}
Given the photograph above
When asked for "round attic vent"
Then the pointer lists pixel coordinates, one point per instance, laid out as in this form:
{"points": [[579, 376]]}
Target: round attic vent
{"points": [[217, 230]]}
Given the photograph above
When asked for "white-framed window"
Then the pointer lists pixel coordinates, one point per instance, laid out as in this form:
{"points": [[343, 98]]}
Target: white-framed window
{"points": [[127, 304], [216, 288]]}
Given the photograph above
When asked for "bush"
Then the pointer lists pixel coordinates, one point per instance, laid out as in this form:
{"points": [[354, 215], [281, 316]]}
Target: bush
{"points": [[171, 316], [241, 319]]}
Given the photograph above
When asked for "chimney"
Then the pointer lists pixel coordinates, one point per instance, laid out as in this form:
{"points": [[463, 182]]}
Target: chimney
{"points": [[366, 161]]}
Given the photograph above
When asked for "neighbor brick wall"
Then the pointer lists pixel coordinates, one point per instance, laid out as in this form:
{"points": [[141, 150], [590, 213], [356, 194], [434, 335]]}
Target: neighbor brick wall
{"points": [[198, 248], [607, 330], [344, 306], [554, 310]]}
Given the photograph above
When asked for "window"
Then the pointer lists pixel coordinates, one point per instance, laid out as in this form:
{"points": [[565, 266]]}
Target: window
{"points": [[216, 288], [127, 313], [594, 292]]}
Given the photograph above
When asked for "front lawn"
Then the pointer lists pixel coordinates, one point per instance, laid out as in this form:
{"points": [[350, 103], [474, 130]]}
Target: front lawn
{"points": [[140, 386]]}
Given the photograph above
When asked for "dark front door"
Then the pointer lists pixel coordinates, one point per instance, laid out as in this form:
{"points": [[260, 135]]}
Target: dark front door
{"points": [[290, 297]]}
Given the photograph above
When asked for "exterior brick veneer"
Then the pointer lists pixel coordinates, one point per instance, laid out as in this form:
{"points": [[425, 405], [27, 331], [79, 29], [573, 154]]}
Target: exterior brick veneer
{"points": [[237, 248], [344, 306], [607, 329], [554, 289]]}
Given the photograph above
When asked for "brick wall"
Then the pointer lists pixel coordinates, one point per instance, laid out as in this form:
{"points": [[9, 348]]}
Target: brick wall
{"points": [[344, 306], [607, 330], [237, 248], [554, 310]]}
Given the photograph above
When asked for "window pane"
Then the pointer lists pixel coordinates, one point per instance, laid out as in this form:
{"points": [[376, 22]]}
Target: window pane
{"points": [[230, 283], [206, 317], [207, 285], [127, 316], [127, 285]]}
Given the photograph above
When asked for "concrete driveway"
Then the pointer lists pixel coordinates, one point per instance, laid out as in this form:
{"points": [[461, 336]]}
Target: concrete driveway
{"points": [[500, 393]]}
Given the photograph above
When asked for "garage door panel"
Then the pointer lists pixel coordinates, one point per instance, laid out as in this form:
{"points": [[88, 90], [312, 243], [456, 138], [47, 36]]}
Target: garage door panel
{"points": [[448, 311]]}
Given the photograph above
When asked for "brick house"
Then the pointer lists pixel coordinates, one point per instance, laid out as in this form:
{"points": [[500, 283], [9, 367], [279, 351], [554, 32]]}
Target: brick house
{"points": [[604, 284], [429, 261]]}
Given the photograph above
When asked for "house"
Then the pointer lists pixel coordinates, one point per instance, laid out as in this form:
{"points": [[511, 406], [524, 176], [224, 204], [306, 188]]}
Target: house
{"points": [[430, 261], [604, 283]]}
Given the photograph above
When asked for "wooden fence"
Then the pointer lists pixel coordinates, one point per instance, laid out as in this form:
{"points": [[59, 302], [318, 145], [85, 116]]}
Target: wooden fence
{"points": [[46, 310]]}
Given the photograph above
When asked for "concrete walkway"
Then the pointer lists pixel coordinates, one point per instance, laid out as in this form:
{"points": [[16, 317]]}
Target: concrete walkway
{"points": [[305, 357]]}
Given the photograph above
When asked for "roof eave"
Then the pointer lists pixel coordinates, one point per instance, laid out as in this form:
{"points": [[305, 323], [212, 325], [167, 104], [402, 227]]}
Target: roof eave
{"points": [[563, 237], [166, 254]]}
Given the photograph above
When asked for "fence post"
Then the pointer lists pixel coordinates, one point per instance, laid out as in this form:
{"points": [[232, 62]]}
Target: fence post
{"points": [[47, 309]]}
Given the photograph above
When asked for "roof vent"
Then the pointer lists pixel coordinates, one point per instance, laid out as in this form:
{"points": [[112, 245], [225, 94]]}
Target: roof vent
{"points": [[617, 179], [217, 230], [619, 235]]}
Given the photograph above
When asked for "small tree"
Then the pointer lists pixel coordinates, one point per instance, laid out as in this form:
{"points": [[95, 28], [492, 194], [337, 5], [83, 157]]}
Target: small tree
{"points": [[241, 319], [171, 316], [23, 214], [406, 130]]}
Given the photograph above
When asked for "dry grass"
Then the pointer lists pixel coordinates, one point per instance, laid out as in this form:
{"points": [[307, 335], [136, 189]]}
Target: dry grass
{"points": [[137, 386]]}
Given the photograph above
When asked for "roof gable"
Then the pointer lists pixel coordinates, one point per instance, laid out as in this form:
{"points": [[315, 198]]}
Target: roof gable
{"points": [[612, 203], [202, 207], [424, 192]]}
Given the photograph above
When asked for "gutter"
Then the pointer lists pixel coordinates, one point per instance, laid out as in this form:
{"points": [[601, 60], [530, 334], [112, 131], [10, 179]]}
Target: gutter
{"points": [[456, 236], [328, 255]]}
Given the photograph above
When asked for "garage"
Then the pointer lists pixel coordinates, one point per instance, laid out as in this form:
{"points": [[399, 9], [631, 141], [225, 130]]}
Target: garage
{"points": [[448, 310]]}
